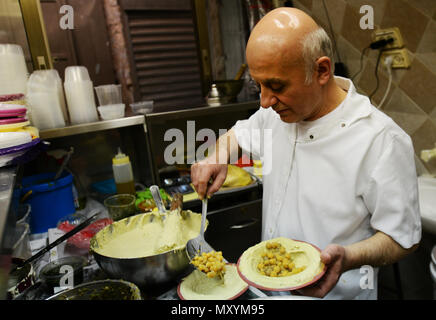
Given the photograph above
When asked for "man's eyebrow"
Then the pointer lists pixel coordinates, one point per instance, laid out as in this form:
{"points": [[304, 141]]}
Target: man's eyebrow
{"points": [[274, 81]]}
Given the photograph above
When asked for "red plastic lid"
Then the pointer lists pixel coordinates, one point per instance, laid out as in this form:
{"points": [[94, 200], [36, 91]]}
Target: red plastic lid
{"points": [[12, 120]]}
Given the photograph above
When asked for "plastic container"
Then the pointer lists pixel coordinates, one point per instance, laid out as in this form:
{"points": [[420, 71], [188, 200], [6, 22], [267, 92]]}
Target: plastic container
{"points": [[50, 200], [44, 100], [51, 273], [109, 94], [76, 74], [112, 111], [120, 206], [142, 107], [79, 92], [123, 173], [13, 70]]}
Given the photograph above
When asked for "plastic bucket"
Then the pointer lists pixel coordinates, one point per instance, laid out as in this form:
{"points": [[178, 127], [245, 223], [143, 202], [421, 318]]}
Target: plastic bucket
{"points": [[50, 201]]}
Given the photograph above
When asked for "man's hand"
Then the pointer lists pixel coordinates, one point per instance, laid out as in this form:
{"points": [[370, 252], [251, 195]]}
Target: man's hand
{"points": [[203, 171], [378, 250], [333, 257]]}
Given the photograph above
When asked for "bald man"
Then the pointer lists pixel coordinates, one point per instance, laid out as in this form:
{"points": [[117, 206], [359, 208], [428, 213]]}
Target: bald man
{"points": [[343, 175]]}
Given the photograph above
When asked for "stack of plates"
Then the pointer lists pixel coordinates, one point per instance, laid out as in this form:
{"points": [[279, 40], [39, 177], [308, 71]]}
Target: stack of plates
{"points": [[13, 115], [16, 136]]}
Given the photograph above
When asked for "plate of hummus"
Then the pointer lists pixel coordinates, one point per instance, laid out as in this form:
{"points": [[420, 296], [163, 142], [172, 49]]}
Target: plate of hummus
{"points": [[197, 286], [281, 264]]}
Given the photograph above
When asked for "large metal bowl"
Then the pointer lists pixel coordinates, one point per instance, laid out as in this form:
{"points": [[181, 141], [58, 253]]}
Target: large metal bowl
{"points": [[148, 272]]}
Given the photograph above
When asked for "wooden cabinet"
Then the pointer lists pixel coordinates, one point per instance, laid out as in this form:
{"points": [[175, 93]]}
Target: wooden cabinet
{"points": [[87, 44]]}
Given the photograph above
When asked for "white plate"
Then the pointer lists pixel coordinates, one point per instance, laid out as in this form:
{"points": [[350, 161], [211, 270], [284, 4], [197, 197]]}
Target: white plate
{"points": [[230, 292], [12, 139]]}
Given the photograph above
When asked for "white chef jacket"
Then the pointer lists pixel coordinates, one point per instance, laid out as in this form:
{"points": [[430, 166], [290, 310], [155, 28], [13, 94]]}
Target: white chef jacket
{"points": [[336, 179]]}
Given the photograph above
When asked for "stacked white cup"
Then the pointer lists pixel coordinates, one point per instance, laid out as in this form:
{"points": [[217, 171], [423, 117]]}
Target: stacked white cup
{"points": [[13, 69], [45, 99], [79, 92]]}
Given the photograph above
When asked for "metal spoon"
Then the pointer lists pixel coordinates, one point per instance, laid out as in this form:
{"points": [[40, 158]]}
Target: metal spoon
{"points": [[198, 245], [158, 201]]}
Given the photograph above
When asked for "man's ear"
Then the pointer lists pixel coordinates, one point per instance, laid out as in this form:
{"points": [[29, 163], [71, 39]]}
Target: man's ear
{"points": [[324, 66]]}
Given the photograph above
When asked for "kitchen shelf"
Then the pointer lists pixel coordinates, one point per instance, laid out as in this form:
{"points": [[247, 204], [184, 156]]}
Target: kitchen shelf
{"points": [[92, 127]]}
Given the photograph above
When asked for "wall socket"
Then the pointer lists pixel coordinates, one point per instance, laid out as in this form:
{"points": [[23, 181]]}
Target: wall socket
{"points": [[400, 58], [387, 33]]}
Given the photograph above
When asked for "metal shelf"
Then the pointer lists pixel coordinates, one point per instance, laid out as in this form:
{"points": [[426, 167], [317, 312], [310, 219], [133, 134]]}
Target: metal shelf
{"points": [[92, 127]]}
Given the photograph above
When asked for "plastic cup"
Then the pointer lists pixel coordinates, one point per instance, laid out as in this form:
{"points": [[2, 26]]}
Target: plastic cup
{"points": [[120, 206], [13, 69], [80, 101], [112, 111], [76, 73], [109, 94], [142, 107]]}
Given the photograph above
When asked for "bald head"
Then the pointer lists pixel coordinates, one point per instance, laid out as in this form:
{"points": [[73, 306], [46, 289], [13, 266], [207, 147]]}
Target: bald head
{"points": [[288, 36]]}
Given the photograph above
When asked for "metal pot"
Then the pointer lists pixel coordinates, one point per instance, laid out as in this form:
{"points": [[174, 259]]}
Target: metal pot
{"points": [[101, 290], [147, 272], [224, 91]]}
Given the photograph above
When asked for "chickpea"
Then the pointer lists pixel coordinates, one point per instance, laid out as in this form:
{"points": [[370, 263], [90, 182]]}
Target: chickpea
{"points": [[210, 263], [276, 262]]}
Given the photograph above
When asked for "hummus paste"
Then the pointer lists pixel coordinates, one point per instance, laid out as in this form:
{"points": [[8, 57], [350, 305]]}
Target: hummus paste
{"points": [[197, 286], [302, 254], [147, 234]]}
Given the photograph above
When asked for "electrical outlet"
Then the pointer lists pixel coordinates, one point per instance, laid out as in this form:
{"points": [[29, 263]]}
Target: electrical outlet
{"points": [[400, 58], [394, 33]]}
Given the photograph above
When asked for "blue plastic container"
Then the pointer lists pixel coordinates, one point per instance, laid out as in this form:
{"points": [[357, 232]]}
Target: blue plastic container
{"points": [[50, 201]]}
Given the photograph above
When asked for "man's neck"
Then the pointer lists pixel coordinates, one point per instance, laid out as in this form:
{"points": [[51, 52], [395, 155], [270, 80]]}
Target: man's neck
{"points": [[334, 96]]}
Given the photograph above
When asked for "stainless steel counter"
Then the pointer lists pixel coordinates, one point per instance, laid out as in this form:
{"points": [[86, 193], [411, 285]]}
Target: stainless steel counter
{"points": [[7, 182]]}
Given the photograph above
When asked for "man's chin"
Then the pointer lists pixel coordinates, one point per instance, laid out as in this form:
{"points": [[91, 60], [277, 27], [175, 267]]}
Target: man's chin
{"points": [[288, 118]]}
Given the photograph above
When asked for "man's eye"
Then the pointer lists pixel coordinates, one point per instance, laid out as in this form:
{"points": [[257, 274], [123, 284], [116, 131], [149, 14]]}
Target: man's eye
{"points": [[277, 88]]}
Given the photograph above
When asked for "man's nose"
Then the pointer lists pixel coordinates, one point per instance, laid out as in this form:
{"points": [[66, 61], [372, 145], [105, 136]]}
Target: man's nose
{"points": [[267, 98]]}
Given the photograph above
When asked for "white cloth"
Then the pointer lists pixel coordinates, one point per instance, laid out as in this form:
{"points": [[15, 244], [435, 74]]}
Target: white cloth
{"points": [[337, 179]]}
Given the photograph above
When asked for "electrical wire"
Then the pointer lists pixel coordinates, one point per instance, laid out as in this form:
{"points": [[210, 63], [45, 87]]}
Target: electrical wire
{"points": [[388, 62], [376, 75], [361, 63], [379, 44]]}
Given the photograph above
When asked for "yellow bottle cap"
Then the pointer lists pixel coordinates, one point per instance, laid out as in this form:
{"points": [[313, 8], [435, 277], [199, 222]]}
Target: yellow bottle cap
{"points": [[120, 158]]}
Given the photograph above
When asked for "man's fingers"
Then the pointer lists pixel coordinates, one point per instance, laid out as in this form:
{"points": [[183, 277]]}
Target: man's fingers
{"points": [[217, 183], [326, 258], [201, 188]]}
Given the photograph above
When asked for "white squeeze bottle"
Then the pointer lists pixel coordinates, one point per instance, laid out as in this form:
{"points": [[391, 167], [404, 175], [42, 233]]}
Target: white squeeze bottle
{"points": [[123, 174]]}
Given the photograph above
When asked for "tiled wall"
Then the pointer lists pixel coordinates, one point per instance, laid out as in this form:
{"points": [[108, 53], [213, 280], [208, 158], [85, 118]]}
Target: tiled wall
{"points": [[412, 98]]}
